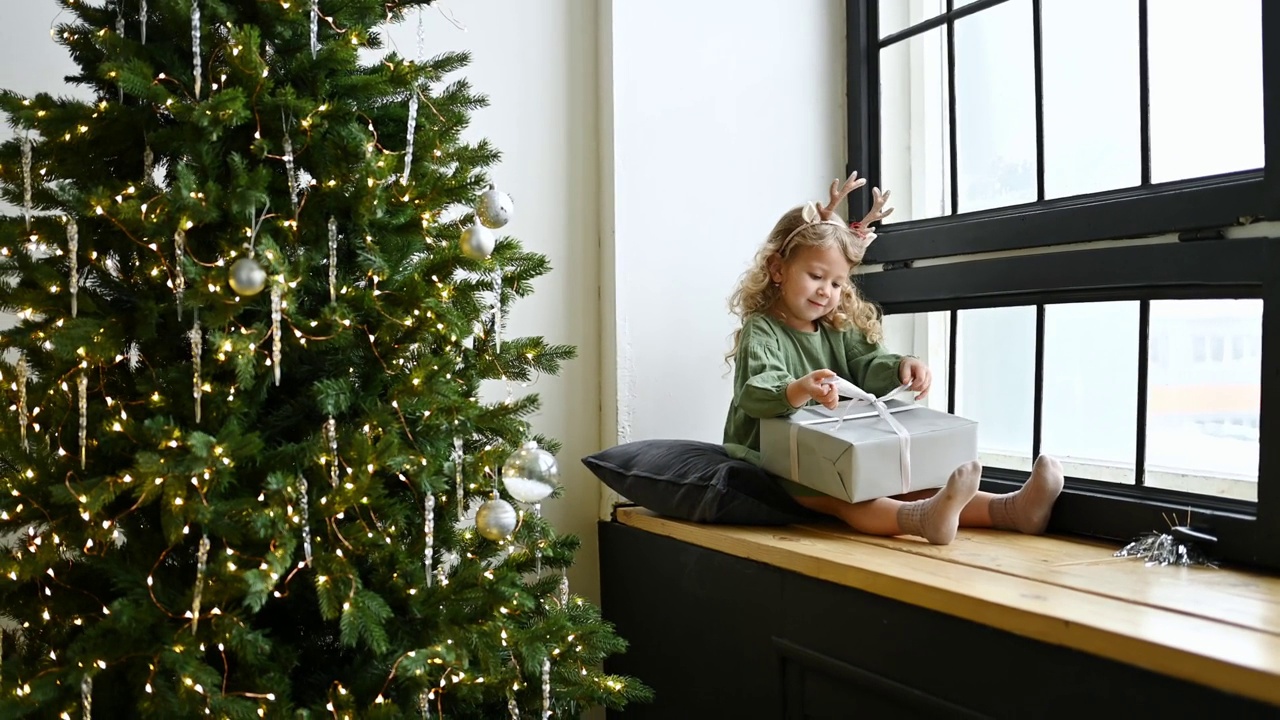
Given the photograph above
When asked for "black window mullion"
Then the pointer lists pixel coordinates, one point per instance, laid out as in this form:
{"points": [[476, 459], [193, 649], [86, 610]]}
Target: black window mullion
{"points": [[1144, 93], [863, 117], [1144, 364], [1037, 413], [1038, 58], [1269, 406], [951, 107], [952, 360], [937, 21], [1271, 102]]}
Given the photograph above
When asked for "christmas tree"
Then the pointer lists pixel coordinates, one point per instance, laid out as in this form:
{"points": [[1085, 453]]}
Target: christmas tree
{"points": [[257, 290]]}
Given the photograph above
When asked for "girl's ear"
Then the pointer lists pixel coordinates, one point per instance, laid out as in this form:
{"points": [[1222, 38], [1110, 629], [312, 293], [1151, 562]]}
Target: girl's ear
{"points": [[775, 267]]}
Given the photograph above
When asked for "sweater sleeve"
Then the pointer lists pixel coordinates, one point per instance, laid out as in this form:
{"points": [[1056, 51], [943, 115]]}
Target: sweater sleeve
{"points": [[763, 378], [874, 369]]}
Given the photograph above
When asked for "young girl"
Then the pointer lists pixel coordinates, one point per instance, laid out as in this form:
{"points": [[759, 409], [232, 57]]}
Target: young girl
{"points": [[804, 323]]}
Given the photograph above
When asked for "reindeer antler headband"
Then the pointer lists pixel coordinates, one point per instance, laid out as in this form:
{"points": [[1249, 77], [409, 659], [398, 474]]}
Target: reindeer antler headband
{"points": [[815, 214]]}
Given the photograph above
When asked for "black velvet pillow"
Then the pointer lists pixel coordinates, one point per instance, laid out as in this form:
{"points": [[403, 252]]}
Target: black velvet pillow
{"points": [[697, 481]]}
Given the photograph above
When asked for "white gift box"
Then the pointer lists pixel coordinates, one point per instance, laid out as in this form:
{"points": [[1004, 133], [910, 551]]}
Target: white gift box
{"points": [[868, 447]]}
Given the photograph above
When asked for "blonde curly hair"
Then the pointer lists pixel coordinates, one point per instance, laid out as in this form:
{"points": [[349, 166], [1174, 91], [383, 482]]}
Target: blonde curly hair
{"points": [[756, 293]]}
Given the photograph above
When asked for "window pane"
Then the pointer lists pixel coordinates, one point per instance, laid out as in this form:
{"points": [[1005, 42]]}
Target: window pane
{"points": [[914, 134], [1203, 396], [1090, 372], [995, 107], [995, 381], [896, 15], [1087, 149], [1199, 52]]}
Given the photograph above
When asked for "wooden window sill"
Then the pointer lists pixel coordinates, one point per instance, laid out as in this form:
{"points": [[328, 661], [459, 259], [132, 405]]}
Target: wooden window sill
{"points": [[1212, 626]]}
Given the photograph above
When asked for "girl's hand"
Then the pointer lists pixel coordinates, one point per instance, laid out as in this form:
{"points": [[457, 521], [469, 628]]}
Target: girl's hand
{"points": [[915, 373], [812, 386]]}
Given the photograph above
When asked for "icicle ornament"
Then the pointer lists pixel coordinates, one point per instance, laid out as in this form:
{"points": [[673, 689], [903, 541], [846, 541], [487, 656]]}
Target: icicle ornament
{"points": [[120, 32], [86, 697], [276, 336], [564, 589], [333, 259], [457, 472], [291, 171], [197, 349], [424, 703], [26, 179], [413, 107], [24, 373], [331, 435], [142, 19], [179, 277], [315, 28], [546, 688], [195, 44], [428, 533], [148, 164], [202, 558], [82, 384], [304, 499], [73, 249]]}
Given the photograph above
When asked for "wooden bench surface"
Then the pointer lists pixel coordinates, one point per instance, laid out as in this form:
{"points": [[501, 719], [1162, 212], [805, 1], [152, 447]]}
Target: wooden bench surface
{"points": [[1213, 626]]}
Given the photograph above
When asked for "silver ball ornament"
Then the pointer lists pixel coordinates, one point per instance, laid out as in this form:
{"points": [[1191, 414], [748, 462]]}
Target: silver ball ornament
{"points": [[478, 242], [531, 473], [496, 519], [495, 208], [247, 277]]}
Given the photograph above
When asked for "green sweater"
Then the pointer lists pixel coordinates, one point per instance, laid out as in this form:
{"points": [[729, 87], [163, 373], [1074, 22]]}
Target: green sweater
{"points": [[771, 355]]}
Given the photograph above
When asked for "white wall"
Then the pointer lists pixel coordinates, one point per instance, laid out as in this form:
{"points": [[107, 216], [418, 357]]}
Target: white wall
{"points": [[721, 116]]}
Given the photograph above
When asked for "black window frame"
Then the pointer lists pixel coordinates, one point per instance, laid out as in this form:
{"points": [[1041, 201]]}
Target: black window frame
{"points": [[1191, 207], [1202, 262]]}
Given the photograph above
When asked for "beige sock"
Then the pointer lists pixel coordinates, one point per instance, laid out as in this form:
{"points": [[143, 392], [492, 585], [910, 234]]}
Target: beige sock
{"points": [[1027, 510], [937, 518]]}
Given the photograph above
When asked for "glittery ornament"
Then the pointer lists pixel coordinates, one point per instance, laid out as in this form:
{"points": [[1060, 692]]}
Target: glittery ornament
{"points": [[478, 241], [428, 532], [333, 259], [414, 102], [73, 251], [424, 703], [457, 472], [291, 172], [120, 32], [496, 519], [26, 179], [202, 557], [179, 275], [148, 164], [86, 697], [304, 500], [315, 27], [276, 337], [495, 208], [564, 589], [82, 384], [197, 349], [546, 688], [23, 418], [512, 708], [195, 44], [497, 314], [142, 19], [247, 277], [331, 436]]}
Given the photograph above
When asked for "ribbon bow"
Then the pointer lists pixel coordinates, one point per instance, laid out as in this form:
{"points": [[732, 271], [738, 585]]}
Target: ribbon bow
{"points": [[862, 398]]}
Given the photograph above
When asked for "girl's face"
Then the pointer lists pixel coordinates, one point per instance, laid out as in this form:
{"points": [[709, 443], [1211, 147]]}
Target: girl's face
{"points": [[810, 281]]}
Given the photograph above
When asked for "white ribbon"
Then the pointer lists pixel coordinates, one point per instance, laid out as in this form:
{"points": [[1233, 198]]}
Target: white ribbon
{"points": [[861, 398]]}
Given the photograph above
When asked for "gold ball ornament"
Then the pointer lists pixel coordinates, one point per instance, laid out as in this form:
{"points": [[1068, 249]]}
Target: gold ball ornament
{"points": [[478, 241], [496, 519], [247, 277], [495, 208]]}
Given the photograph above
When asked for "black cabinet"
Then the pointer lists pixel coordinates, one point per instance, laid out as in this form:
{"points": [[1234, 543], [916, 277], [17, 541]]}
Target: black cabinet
{"points": [[718, 636]]}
